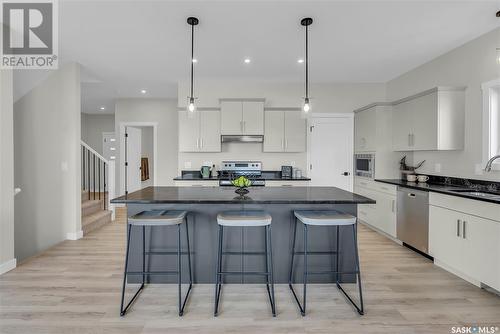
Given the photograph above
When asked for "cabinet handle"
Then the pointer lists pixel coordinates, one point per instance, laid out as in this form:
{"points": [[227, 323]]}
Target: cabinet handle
{"points": [[412, 139], [463, 229], [286, 143], [393, 205], [197, 142], [201, 142], [458, 228], [409, 140]]}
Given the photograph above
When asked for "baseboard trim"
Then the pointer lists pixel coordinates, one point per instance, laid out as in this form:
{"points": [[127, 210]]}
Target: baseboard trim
{"points": [[7, 266], [458, 273], [74, 236]]}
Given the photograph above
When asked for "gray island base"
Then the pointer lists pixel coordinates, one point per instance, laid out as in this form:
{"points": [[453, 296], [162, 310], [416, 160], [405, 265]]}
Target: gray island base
{"points": [[204, 203]]}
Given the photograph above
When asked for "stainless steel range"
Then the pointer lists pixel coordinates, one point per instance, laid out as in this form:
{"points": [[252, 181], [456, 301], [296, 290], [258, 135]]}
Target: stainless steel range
{"points": [[232, 169]]}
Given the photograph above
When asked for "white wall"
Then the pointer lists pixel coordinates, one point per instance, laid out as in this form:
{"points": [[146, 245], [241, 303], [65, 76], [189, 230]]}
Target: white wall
{"points": [[7, 260], [92, 128], [469, 65], [163, 112], [47, 163], [325, 98]]}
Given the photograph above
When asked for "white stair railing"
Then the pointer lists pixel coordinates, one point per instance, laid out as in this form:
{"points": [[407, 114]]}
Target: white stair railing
{"points": [[98, 176]]}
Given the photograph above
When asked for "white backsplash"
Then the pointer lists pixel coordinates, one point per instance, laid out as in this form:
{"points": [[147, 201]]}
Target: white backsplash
{"points": [[243, 151]]}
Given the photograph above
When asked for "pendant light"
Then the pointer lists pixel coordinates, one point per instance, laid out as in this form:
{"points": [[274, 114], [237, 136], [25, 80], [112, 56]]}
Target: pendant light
{"points": [[306, 22], [192, 21]]}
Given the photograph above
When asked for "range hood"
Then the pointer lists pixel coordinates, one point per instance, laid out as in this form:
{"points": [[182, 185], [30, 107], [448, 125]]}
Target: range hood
{"points": [[242, 139]]}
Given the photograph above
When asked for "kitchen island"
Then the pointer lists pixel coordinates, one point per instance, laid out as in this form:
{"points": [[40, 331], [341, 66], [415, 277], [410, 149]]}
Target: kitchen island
{"points": [[203, 205]]}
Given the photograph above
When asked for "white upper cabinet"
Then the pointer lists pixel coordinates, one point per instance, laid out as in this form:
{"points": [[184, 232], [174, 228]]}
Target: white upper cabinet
{"points": [[242, 117], [253, 117], [210, 131], [295, 132], [274, 131], [365, 136], [432, 120], [200, 131], [284, 131]]}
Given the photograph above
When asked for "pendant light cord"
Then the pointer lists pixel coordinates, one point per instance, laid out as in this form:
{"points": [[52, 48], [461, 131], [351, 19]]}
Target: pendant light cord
{"points": [[192, 58], [307, 63]]}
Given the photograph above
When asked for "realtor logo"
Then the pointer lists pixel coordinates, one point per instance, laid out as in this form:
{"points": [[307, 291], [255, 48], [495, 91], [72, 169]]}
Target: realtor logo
{"points": [[29, 34]]}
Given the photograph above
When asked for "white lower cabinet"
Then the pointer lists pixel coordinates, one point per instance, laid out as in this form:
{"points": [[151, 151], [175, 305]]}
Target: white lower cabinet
{"points": [[381, 215], [466, 244]]}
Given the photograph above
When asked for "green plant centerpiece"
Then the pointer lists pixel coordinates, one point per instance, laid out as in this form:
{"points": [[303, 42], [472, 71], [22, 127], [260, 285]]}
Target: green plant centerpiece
{"points": [[241, 183]]}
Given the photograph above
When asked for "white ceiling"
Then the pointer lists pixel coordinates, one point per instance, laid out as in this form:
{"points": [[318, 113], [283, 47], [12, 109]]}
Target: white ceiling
{"points": [[126, 46]]}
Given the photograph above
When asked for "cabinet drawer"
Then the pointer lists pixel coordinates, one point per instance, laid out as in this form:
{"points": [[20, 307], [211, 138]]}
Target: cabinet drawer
{"points": [[385, 188], [197, 183], [286, 183], [469, 206]]}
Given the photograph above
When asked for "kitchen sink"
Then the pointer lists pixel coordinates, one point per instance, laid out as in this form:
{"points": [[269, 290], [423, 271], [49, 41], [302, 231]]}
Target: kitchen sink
{"points": [[480, 194]]}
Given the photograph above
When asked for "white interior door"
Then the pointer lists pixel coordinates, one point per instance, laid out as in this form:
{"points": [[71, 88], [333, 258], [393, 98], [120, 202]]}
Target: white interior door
{"points": [[133, 158], [331, 152]]}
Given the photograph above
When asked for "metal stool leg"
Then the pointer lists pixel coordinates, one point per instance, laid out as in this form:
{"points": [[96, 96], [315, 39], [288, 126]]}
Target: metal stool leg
{"points": [[305, 270], [337, 256], [179, 268], [293, 252], [183, 305], [143, 253], [270, 268], [218, 270], [124, 310], [360, 308]]}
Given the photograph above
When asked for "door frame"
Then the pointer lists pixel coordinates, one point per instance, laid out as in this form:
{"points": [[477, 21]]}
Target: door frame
{"points": [[350, 118], [122, 127]]}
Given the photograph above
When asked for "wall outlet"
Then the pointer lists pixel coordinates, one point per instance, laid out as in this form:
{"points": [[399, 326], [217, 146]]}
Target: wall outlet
{"points": [[437, 168], [187, 164]]}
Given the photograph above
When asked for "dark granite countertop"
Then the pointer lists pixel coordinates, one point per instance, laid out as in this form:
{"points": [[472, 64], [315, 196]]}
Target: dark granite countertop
{"points": [[266, 175], [442, 188], [257, 195]]}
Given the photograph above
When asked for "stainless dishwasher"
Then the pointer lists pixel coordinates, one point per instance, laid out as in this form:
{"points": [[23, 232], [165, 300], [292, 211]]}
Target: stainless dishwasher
{"points": [[413, 218]]}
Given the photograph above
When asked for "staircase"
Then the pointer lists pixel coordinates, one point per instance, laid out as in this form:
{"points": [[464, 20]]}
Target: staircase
{"points": [[97, 187], [93, 214]]}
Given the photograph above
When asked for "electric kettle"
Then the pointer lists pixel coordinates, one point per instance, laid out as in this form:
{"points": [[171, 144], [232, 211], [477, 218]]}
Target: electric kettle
{"points": [[205, 172]]}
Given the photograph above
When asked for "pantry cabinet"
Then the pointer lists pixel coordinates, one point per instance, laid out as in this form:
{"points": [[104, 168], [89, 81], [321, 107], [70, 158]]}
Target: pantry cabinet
{"points": [[431, 120], [242, 117], [199, 131], [284, 131], [462, 242]]}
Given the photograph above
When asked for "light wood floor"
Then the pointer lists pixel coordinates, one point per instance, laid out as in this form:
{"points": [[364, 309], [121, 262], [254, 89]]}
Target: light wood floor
{"points": [[75, 288]]}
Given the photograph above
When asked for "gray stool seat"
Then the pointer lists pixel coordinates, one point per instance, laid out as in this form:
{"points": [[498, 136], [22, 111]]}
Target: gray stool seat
{"points": [[244, 218], [325, 218], [158, 218]]}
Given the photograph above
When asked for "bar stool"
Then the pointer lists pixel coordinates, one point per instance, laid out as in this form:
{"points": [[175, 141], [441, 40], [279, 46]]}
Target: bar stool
{"points": [[157, 218], [245, 219], [325, 218]]}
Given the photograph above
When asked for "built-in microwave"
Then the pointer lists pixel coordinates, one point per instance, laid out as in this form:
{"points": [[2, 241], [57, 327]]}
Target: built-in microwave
{"points": [[364, 165]]}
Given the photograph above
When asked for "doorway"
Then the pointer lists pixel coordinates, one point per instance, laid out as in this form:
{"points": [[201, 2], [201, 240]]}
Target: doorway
{"points": [[330, 150], [137, 156]]}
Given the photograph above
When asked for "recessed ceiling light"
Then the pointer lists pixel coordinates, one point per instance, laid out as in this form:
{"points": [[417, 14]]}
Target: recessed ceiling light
{"points": [[247, 60], [143, 91], [195, 60], [300, 61], [102, 108]]}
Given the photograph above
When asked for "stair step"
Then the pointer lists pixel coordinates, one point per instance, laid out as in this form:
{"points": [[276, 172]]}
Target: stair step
{"points": [[95, 220], [90, 207]]}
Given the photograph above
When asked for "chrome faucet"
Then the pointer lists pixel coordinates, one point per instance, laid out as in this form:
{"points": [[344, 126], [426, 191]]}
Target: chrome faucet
{"points": [[490, 162]]}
